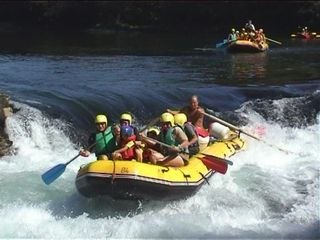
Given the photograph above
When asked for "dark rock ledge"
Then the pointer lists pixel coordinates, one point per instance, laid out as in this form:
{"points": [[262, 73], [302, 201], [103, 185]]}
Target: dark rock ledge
{"points": [[6, 110]]}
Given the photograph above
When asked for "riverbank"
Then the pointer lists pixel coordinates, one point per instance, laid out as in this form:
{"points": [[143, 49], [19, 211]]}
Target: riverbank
{"points": [[6, 110]]}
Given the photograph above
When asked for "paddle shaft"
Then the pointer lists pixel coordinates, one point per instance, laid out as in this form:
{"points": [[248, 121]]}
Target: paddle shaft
{"points": [[218, 45], [173, 148], [75, 157], [161, 143], [271, 40], [219, 159], [246, 133], [154, 121]]}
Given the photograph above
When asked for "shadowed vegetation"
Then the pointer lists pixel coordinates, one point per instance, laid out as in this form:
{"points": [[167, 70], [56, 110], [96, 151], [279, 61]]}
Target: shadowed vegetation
{"points": [[158, 15]]}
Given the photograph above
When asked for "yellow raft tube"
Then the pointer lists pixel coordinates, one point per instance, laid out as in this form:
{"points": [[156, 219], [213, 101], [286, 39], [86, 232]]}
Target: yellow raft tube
{"points": [[247, 46], [121, 179]]}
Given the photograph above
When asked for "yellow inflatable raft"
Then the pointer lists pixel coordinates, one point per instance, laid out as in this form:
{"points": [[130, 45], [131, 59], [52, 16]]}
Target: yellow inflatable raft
{"points": [[246, 46], [134, 180]]}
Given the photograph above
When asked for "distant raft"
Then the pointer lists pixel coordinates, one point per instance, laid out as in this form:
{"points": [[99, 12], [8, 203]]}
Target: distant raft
{"points": [[247, 46], [305, 35], [122, 179]]}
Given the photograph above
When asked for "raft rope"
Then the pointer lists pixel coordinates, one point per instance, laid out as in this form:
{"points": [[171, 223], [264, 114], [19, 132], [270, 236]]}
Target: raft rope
{"points": [[165, 170], [114, 171], [205, 177], [186, 176]]}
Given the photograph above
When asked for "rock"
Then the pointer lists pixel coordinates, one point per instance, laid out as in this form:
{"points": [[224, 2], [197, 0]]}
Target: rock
{"points": [[6, 110]]}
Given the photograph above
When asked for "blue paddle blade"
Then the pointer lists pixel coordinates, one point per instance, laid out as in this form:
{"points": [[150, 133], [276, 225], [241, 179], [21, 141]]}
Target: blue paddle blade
{"points": [[53, 173], [218, 45]]}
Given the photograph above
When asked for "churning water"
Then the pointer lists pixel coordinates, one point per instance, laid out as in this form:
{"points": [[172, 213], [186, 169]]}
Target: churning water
{"points": [[267, 193]]}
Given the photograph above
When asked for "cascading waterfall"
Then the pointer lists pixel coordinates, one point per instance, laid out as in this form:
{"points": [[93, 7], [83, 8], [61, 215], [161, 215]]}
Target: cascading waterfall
{"points": [[266, 193]]}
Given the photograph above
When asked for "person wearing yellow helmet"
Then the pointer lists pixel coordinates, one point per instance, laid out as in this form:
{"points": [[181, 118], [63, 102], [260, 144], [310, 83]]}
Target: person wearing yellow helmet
{"points": [[242, 34], [126, 118], [128, 141], [180, 119], [153, 132], [262, 36], [104, 140], [170, 135], [127, 144], [232, 35], [169, 131]]}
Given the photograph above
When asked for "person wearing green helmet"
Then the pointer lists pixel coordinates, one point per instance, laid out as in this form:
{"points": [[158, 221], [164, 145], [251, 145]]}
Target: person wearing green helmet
{"points": [[104, 139]]}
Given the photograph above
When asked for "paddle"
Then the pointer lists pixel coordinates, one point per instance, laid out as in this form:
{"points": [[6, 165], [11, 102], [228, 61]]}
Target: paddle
{"points": [[218, 159], [225, 41], [219, 45], [55, 172], [153, 121], [216, 165], [246, 133], [271, 40], [212, 162]]}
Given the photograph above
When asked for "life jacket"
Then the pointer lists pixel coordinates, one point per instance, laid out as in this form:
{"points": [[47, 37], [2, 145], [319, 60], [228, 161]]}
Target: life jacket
{"points": [[232, 37], [169, 138], [193, 148], [202, 132], [129, 153], [105, 142]]}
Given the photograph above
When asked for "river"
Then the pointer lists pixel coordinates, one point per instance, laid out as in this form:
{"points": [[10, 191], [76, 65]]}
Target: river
{"points": [[60, 82]]}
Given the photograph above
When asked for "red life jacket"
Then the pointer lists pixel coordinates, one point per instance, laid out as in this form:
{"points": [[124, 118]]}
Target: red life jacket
{"points": [[202, 132], [129, 153]]}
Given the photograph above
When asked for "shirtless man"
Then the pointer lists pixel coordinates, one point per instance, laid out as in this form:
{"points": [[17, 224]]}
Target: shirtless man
{"points": [[195, 115]]}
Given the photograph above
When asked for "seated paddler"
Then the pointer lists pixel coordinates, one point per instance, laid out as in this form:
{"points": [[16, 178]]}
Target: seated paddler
{"points": [[174, 150], [129, 148], [103, 140]]}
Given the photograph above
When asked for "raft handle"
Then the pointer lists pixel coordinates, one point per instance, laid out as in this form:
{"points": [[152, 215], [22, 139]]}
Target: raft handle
{"points": [[165, 170]]}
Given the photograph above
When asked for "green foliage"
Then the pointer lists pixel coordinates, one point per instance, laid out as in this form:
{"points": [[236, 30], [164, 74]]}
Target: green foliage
{"points": [[181, 15]]}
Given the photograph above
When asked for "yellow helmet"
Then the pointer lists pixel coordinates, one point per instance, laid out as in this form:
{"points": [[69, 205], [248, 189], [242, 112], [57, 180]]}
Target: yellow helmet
{"points": [[233, 30], [101, 119], [180, 119], [127, 117], [153, 129], [167, 117]]}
